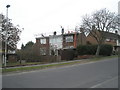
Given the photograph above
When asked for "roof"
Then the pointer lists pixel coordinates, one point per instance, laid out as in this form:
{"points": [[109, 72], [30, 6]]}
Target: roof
{"points": [[108, 34], [42, 37], [66, 34], [111, 35]]}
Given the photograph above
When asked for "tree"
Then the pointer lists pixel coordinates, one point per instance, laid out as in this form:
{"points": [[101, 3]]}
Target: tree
{"points": [[13, 33], [27, 52], [29, 45], [22, 46], [99, 22]]}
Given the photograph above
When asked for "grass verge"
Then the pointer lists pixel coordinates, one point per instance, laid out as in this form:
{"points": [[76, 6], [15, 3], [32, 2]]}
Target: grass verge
{"points": [[17, 69], [103, 58], [22, 64]]}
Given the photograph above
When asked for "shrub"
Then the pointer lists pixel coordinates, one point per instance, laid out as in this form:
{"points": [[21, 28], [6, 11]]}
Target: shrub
{"points": [[106, 50], [91, 49], [86, 49]]}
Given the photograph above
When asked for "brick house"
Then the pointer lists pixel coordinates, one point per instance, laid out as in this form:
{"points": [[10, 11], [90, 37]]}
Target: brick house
{"points": [[110, 38], [52, 44]]}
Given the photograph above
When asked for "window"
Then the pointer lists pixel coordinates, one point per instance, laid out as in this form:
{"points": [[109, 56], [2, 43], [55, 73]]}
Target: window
{"points": [[42, 51], [56, 41], [107, 40], [68, 47], [69, 38], [118, 41], [43, 41]]}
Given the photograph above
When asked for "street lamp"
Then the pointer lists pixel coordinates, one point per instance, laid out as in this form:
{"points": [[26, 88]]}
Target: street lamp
{"points": [[6, 34]]}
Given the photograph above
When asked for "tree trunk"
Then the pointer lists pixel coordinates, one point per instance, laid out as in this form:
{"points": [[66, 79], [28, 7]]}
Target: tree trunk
{"points": [[98, 50]]}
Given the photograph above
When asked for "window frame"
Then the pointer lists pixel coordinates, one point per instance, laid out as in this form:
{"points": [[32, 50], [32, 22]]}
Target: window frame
{"points": [[69, 39], [43, 41]]}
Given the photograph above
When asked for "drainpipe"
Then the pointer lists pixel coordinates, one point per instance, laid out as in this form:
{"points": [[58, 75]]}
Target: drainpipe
{"points": [[75, 40]]}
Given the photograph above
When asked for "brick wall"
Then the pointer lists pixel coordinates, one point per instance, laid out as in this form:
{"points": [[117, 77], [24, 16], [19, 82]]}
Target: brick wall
{"points": [[81, 39], [12, 57], [91, 40]]}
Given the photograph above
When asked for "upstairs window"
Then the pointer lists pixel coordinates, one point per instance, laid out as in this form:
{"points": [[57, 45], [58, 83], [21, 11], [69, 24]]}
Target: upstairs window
{"points": [[69, 38], [43, 41]]}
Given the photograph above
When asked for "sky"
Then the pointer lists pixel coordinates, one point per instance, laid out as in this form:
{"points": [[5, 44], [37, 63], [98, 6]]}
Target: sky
{"points": [[46, 16]]}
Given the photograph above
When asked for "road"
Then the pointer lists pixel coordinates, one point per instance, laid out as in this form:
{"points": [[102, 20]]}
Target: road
{"points": [[100, 74]]}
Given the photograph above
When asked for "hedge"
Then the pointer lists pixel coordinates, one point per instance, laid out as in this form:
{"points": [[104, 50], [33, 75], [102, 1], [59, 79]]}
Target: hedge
{"points": [[106, 50], [91, 49]]}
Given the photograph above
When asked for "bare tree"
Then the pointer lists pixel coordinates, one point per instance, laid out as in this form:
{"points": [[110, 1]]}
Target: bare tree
{"points": [[13, 33], [99, 22]]}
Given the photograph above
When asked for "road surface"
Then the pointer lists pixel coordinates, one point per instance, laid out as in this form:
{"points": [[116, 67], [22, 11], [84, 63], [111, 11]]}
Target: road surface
{"points": [[100, 74]]}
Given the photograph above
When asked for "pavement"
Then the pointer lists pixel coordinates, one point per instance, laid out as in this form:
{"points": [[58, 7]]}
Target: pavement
{"points": [[100, 74]]}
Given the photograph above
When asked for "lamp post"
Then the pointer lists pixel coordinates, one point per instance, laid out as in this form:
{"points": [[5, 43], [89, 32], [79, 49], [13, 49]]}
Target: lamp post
{"points": [[6, 35], [119, 14]]}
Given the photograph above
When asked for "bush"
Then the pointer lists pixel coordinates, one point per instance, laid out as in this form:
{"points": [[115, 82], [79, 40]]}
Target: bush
{"points": [[28, 55], [91, 49], [86, 49], [106, 50]]}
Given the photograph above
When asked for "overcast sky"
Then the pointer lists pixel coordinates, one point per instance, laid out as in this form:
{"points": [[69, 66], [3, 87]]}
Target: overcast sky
{"points": [[46, 16]]}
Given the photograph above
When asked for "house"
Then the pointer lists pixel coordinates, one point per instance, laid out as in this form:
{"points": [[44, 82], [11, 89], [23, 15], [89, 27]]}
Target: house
{"points": [[110, 38], [54, 44]]}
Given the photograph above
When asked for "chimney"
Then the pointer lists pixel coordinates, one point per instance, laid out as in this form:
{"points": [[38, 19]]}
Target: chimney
{"points": [[54, 33], [68, 32], [116, 32], [81, 30], [62, 31]]}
